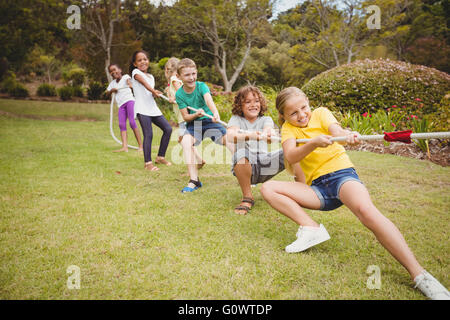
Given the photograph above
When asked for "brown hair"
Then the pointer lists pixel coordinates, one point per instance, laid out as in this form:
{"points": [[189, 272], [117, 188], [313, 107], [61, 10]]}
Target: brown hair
{"points": [[283, 96], [240, 97], [185, 63]]}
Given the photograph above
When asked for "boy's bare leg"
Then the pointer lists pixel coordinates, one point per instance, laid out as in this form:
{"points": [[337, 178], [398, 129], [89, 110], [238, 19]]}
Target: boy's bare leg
{"points": [[243, 172], [124, 142], [187, 143], [199, 160], [137, 134], [356, 197]]}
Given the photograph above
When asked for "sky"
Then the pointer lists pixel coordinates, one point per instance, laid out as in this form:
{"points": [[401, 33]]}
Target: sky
{"points": [[282, 5]]}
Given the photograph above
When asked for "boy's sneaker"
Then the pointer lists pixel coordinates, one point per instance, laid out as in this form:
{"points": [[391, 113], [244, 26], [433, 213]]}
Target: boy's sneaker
{"points": [[308, 237], [430, 287]]}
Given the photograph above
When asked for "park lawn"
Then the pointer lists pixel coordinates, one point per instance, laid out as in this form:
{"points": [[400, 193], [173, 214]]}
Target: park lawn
{"points": [[66, 199]]}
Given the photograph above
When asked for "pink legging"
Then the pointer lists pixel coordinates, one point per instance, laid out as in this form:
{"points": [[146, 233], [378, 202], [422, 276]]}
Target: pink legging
{"points": [[127, 111]]}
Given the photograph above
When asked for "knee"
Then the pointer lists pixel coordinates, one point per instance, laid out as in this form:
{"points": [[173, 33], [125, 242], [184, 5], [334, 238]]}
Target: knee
{"points": [[168, 129], [367, 213], [267, 189]]}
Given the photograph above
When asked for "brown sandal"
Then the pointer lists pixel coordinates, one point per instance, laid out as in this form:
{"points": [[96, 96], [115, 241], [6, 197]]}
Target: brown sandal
{"points": [[163, 161], [243, 207], [151, 167]]}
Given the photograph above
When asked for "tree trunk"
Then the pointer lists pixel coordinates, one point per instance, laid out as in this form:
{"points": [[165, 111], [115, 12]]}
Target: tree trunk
{"points": [[107, 63]]}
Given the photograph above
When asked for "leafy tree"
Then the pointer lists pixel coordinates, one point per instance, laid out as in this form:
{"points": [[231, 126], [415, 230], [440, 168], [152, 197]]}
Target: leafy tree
{"points": [[226, 30], [27, 22]]}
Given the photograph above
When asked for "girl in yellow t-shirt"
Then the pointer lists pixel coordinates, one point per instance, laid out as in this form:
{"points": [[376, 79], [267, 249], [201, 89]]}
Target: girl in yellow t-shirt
{"points": [[326, 179]]}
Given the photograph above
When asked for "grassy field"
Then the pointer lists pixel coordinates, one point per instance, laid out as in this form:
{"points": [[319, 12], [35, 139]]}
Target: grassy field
{"points": [[66, 199]]}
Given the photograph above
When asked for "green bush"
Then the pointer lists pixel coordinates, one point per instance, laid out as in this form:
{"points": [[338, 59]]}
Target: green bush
{"points": [[78, 91], [9, 83], [158, 74], [162, 62], [369, 85], [95, 90], [46, 90], [19, 91], [65, 93], [74, 76]]}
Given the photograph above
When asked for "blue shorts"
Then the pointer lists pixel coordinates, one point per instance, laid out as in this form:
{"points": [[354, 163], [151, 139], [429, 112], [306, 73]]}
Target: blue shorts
{"points": [[327, 187], [201, 129]]}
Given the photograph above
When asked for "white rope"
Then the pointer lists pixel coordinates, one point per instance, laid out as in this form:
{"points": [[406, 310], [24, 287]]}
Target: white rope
{"points": [[424, 135], [418, 136], [111, 120]]}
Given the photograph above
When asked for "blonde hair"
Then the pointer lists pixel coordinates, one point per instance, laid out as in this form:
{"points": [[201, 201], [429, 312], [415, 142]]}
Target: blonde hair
{"points": [[283, 96], [171, 66], [185, 63], [280, 103]]}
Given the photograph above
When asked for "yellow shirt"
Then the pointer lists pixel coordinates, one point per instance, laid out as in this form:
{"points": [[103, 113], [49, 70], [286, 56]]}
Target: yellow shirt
{"points": [[172, 92], [322, 160]]}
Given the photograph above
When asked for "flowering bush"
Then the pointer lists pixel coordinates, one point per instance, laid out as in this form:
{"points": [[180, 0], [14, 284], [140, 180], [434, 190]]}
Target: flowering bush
{"points": [[371, 85]]}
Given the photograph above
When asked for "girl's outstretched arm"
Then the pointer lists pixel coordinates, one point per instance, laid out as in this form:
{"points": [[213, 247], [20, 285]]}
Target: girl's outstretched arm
{"points": [[336, 130], [294, 154], [156, 93]]}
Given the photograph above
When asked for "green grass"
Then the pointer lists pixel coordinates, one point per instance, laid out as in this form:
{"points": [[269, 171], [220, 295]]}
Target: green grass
{"points": [[135, 236]]}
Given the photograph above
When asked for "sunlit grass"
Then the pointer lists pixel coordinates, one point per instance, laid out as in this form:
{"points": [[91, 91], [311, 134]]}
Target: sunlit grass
{"points": [[66, 199]]}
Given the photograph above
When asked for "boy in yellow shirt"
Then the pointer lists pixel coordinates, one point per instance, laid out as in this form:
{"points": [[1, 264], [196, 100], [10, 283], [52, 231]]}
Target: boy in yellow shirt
{"points": [[326, 179]]}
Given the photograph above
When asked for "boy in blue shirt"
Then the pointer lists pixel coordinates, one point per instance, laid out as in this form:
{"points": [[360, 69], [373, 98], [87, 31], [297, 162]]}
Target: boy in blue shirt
{"points": [[196, 94]]}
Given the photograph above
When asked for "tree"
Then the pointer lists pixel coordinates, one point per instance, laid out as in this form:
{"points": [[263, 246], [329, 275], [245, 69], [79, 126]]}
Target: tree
{"points": [[24, 23], [100, 29], [225, 29], [324, 32]]}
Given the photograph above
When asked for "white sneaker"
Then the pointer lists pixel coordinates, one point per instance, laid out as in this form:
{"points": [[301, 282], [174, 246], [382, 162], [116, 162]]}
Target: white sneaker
{"points": [[430, 287], [308, 237]]}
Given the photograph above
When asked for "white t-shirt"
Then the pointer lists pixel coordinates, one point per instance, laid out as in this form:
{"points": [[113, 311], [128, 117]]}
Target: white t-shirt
{"points": [[123, 95], [145, 103]]}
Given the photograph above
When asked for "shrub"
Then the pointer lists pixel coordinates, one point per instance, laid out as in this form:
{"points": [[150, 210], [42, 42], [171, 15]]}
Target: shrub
{"points": [[369, 85], [74, 76], [65, 93], [46, 90], [158, 74], [8, 84], [95, 90], [162, 62], [19, 91], [78, 91]]}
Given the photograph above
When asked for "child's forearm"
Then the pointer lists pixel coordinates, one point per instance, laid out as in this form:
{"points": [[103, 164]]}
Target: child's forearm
{"points": [[146, 85], [236, 137], [188, 117], [296, 154]]}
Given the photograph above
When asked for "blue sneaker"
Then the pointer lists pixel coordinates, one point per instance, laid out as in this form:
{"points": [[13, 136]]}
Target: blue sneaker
{"points": [[197, 184]]}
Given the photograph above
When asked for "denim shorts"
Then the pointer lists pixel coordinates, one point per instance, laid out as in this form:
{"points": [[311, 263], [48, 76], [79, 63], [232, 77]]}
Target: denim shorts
{"points": [[264, 165], [327, 187], [201, 129]]}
